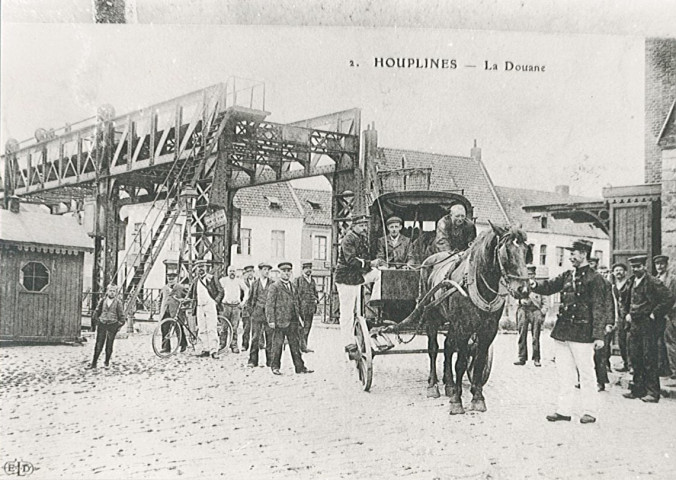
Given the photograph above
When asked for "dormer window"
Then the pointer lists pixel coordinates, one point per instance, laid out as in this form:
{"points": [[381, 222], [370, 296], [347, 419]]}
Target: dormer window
{"points": [[315, 205], [544, 221], [273, 202]]}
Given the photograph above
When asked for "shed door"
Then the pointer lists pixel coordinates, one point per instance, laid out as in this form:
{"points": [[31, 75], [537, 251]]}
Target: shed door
{"points": [[632, 230], [32, 314]]}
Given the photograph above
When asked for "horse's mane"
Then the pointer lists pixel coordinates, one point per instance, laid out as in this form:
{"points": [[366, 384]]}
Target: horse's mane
{"points": [[486, 242]]}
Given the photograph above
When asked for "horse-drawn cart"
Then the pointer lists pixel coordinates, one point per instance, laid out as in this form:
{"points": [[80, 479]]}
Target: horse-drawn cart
{"points": [[469, 291]]}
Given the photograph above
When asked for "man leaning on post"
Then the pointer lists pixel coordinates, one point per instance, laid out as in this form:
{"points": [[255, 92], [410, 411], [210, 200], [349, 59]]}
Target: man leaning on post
{"points": [[583, 319]]}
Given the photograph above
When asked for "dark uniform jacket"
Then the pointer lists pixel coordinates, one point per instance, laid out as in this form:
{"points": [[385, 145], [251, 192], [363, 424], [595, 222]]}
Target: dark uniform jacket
{"points": [[450, 238], [670, 281], [650, 297], [353, 259], [282, 306], [170, 296], [257, 297], [307, 293], [401, 253], [586, 305]]}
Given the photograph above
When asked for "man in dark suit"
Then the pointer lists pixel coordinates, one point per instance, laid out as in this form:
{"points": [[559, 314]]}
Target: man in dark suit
{"points": [[650, 301], [309, 298], [109, 315], [259, 326], [530, 315], [171, 294], [621, 290], [248, 279], [282, 309]]}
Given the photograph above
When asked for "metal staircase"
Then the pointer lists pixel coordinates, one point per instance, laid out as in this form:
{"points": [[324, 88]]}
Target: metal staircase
{"points": [[173, 206]]}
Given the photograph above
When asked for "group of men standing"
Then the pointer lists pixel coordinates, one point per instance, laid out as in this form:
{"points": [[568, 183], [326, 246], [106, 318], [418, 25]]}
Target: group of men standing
{"points": [[271, 312], [640, 308]]}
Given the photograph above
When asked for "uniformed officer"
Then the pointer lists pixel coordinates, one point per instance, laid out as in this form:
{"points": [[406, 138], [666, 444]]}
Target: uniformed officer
{"points": [[530, 315], [394, 248], [650, 300], [583, 318], [354, 268]]}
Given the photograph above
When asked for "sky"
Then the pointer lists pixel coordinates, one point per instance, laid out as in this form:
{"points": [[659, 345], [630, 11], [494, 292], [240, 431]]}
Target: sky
{"points": [[580, 122]]}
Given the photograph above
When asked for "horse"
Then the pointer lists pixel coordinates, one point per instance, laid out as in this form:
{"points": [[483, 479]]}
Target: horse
{"points": [[497, 257]]}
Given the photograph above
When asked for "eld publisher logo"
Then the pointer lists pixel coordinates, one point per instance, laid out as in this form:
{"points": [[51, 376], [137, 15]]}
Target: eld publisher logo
{"points": [[19, 468]]}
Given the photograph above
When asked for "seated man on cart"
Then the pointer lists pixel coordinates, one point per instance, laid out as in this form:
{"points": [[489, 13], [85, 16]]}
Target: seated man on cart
{"points": [[455, 233], [394, 249]]}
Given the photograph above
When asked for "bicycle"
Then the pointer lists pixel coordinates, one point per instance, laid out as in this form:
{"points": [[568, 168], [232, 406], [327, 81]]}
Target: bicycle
{"points": [[176, 327]]}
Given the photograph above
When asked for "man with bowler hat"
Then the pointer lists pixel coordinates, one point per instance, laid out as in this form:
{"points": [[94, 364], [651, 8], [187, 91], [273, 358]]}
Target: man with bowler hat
{"points": [[668, 345], [394, 249], [650, 300], [530, 315], [282, 309], [309, 299], [583, 319], [259, 325]]}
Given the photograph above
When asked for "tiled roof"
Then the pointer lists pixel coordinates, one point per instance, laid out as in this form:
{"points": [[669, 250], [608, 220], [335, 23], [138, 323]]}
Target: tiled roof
{"points": [[39, 229], [317, 205], [453, 173], [254, 201], [514, 199]]}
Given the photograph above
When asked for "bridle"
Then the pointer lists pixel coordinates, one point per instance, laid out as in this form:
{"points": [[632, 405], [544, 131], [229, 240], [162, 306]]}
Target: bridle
{"points": [[504, 274]]}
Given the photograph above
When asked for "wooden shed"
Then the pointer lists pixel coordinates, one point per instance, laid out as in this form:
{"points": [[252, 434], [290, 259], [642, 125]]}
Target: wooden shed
{"points": [[41, 263]]}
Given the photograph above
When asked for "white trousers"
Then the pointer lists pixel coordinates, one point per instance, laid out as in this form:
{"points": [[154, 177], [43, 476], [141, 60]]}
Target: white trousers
{"points": [[347, 297], [573, 358], [207, 323]]}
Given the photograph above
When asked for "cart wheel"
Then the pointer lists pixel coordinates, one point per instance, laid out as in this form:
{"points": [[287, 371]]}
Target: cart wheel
{"points": [[225, 334], [487, 367], [365, 361], [173, 329]]}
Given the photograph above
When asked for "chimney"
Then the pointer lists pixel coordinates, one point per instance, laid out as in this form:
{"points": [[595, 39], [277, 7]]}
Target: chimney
{"points": [[562, 190], [370, 141], [14, 204], [475, 153]]}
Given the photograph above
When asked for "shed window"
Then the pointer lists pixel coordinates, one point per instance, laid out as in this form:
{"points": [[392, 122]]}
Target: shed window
{"points": [[34, 276]]}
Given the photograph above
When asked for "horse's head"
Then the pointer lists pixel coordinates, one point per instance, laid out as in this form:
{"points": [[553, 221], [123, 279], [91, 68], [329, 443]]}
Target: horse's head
{"points": [[513, 253]]}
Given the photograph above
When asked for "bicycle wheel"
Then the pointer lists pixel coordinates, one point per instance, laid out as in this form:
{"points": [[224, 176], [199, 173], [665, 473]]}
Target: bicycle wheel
{"points": [[225, 333], [165, 346]]}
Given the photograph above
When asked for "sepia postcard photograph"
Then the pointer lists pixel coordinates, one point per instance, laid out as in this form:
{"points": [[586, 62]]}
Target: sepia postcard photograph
{"points": [[362, 241]]}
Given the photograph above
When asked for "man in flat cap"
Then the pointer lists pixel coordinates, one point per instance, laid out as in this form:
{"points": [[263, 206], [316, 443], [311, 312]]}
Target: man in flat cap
{"points": [[583, 319], [621, 295], [354, 268], [260, 331], [530, 315], [394, 249], [650, 300], [668, 346], [282, 309], [208, 294], [309, 299], [247, 280]]}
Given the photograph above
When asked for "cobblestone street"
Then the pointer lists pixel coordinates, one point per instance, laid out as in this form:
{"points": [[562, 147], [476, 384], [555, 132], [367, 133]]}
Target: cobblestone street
{"points": [[200, 418]]}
